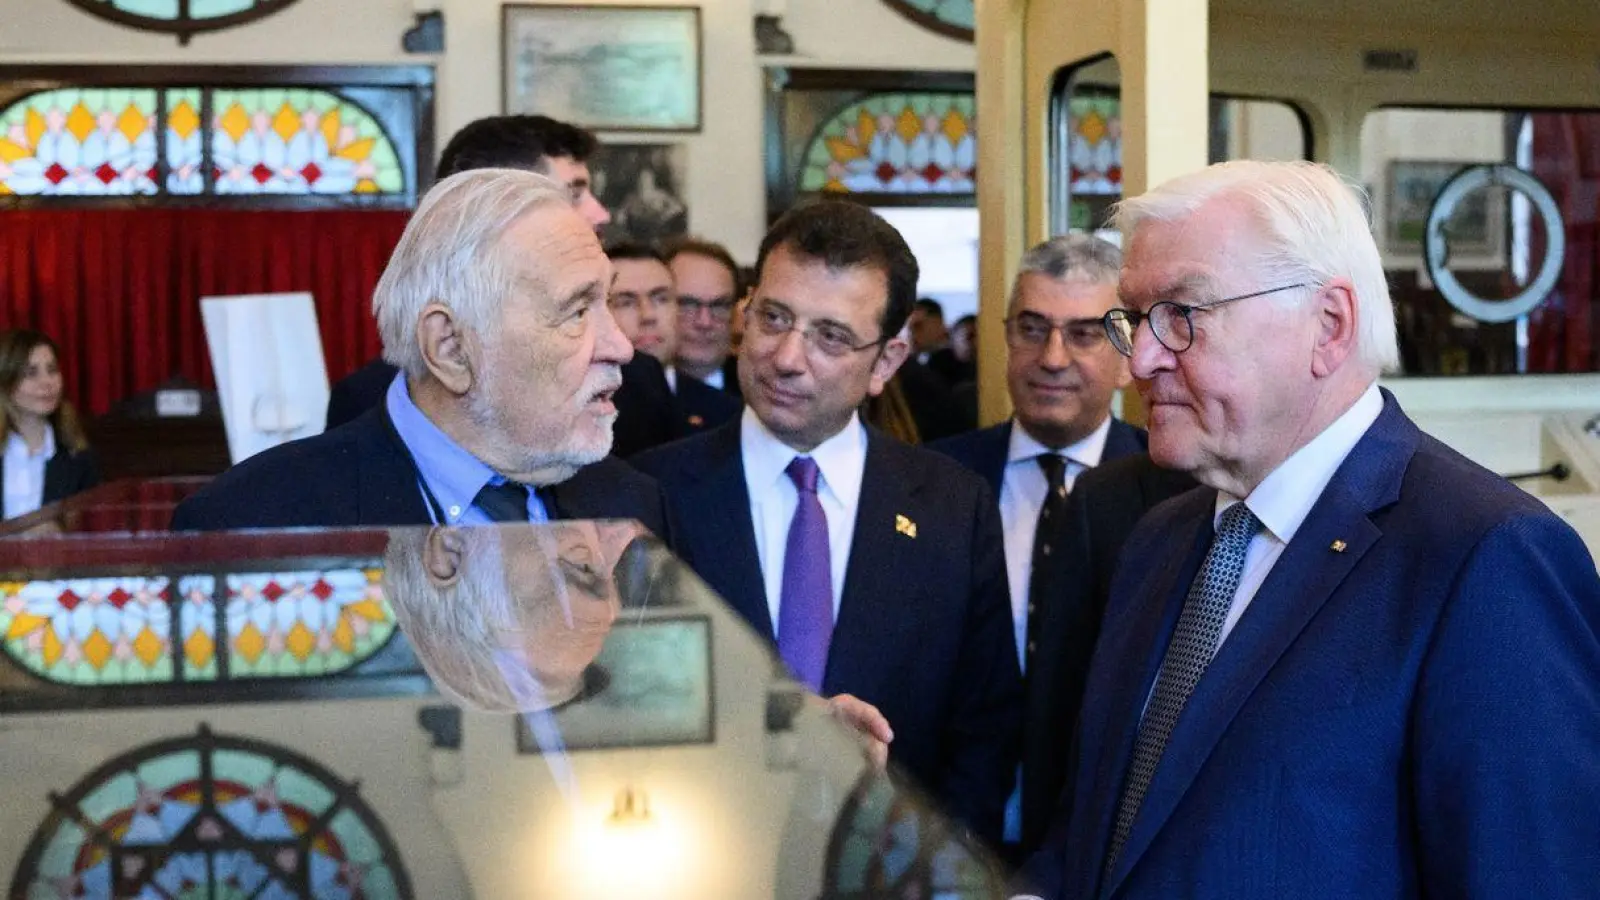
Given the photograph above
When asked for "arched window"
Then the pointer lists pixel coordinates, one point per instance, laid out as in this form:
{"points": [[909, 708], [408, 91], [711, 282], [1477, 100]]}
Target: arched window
{"points": [[896, 143], [954, 18], [181, 17], [137, 630], [211, 816], [889, 843]]}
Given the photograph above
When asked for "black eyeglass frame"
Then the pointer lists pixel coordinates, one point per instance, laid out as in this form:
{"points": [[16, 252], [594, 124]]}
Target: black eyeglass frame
{"points": [[1122, 339]]}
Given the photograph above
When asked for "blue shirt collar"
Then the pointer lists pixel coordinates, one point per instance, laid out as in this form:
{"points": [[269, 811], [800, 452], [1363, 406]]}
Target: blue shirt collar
{"points": [[453, 475]]}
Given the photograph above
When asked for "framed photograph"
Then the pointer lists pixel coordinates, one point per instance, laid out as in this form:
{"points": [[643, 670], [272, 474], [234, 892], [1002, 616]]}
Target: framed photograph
{"points": [[656, 691], [643, 187], [1476, 231], [622, 68]]}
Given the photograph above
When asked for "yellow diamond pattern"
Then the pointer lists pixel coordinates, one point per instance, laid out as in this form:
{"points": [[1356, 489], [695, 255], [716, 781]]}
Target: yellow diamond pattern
{"points": [[235, 122], [147, 647], [198, 649], [866, 127], [250, 643], [330, 128], [97, 650], [357, 151], [34, 126], [80, 122], [132, 123], [954, 127], [184, 120], [1092, 127], [25, 624], [52, 649], [844, 151], [369, 609], [344, 636], [286, 123], [300, 641], [909, 125]]}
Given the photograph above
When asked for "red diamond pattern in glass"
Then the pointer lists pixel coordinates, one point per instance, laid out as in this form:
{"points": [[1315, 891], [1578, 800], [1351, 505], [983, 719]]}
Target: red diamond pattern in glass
{"points": [[56, 174], [322, 589], [105, 173], [932, 173], [311, 173], [886, 172], [261, 173], [118, 598], [273, 591], [69, 601]]}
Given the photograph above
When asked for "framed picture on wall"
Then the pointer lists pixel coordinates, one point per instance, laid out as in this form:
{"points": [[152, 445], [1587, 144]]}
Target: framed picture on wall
{"points": [[1476, 231], [622, 68], [643, 187], [655, 691]]}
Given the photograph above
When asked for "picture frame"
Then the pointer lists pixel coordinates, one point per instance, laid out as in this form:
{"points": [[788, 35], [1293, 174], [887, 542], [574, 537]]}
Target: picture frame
{"points": [[656, 691], [1477, 230], [643, 185], [605, 68]]}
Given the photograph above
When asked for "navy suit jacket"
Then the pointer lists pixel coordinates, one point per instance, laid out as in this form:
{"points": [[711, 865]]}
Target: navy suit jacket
{"points": [[1409, 707], [1063, 630], [361, 474], [924, 627], [703, 406]]}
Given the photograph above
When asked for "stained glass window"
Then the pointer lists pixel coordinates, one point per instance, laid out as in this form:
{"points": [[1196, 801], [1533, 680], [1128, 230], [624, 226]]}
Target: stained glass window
{"points": [[1094, 144], [211, 816], [179, 17], [299, 141], [899, 143], [955, 18], [80, 142], [888, 843], [268, 141], [122, 630]]}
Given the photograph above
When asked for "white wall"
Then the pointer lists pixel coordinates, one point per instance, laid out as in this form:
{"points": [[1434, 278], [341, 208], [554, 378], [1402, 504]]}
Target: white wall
{"points": [[725, 190]]}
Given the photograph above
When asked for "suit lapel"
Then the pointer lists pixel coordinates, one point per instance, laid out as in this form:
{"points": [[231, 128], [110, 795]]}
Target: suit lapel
{"points": [[992, 456], [724, 546], [870, 618], [1122, 440], [389, 491], [57, 470], [1300, 583]]}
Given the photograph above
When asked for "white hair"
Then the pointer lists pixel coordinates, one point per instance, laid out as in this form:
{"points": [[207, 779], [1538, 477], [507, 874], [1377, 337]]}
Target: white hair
{"points": [[1315, 227], [450, 253]]}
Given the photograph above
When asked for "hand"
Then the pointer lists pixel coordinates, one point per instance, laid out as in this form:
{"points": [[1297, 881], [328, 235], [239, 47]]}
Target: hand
{"points": [[866, 721]]}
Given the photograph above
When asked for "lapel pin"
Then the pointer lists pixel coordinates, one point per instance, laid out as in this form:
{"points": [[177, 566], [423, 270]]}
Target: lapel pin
{"points": [[696, 421], [905, 526], [1338, 546]]}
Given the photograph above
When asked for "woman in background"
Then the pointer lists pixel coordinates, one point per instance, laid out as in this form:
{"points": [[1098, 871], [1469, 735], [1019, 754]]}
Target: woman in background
{"points": [[46, 455]]}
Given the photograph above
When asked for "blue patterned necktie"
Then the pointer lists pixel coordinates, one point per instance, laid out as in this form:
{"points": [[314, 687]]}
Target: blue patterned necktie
{"points": [[805, 603], [1193, 643]]}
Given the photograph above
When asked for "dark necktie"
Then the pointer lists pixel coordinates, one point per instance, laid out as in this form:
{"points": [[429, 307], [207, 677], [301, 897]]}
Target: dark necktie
{"points": [[1193, 644], [805, 603], [1042, 577], [503, 502]]}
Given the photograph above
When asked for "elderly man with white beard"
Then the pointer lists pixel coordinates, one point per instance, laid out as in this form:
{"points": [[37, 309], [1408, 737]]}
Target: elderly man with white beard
{"points": [[493, 307]]}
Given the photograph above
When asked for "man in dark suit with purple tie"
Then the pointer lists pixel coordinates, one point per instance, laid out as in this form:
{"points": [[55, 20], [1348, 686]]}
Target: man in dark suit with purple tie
{"points": [[876, 567]]}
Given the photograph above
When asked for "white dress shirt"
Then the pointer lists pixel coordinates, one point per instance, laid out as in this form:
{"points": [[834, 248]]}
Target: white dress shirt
{"points": [[1285, 497], [713, 380], [841, 461], [1022, 490], [24, 487]]}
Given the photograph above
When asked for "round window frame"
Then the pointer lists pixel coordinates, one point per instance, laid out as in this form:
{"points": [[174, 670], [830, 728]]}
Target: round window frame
{"points": [[930, 21], [1436, 249], [183, 25]]}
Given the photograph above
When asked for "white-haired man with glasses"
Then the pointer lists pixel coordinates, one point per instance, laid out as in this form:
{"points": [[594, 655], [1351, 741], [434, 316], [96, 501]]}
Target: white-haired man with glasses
{"points": [[1354, 664], [877, 568], [1062, 374]]}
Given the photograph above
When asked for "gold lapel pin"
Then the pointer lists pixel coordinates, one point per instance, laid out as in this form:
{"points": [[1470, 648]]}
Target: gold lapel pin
{"points": [[1338, 546], [905, 526], [696, 421]]}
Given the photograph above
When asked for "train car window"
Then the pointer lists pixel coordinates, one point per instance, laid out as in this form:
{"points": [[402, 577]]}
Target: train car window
{"points": [[1485, 219]]}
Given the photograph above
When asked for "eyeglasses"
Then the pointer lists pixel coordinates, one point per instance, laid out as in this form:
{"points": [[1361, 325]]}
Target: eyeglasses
{"points": [[721, 308], [827, 338], [1031, 331], [1170, 321]]}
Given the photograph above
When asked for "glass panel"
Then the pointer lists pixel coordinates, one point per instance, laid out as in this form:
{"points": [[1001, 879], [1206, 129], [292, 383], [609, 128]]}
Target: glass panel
{"points": [[89, 631], [905, 143], [210, 9], [1486, 310], [150, 9], [197, 627], [304, 623], [79, 142], [184, 135], [299, 141]]}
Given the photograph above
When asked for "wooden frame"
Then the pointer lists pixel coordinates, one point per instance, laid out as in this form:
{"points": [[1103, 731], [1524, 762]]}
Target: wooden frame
{"points": [[641, 82], [183, 25], [929, 21]]}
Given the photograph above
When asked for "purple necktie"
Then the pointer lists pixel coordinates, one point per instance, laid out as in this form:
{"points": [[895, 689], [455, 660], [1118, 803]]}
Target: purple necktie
{"points": [[805, 606]]}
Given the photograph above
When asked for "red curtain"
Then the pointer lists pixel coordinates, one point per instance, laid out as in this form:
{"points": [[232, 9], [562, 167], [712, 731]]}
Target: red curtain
{"points": [[120, 290], [1566, 157]]}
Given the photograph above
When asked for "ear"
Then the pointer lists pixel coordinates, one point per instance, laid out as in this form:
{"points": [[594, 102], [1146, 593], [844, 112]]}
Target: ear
{"points": [[441, 556], [447, 348], [1338, 317], [889, 359]]}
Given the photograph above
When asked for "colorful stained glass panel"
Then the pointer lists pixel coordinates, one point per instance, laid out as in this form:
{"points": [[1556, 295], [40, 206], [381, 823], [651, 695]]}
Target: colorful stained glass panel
{"points": [[89, 631], [952, 17], [76, 142], [257, 822], [1094, 145], [905, 143], [185, 153], [299, 141], [288, 624]]}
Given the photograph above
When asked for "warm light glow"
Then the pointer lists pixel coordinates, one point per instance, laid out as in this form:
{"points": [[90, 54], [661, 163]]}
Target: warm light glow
{"points": [[634, 849]]}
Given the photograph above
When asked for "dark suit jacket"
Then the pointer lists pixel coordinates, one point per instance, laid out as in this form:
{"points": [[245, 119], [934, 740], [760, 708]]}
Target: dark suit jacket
{"points": [[647, 414], [65, 474], [924, 627], [933, 405], [1409, 707], [1064, 626], [360, 474], [703, 406]]}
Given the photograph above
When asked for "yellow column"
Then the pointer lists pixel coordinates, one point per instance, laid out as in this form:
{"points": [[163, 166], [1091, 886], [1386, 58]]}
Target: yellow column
{"points": [[1005, 126]]}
